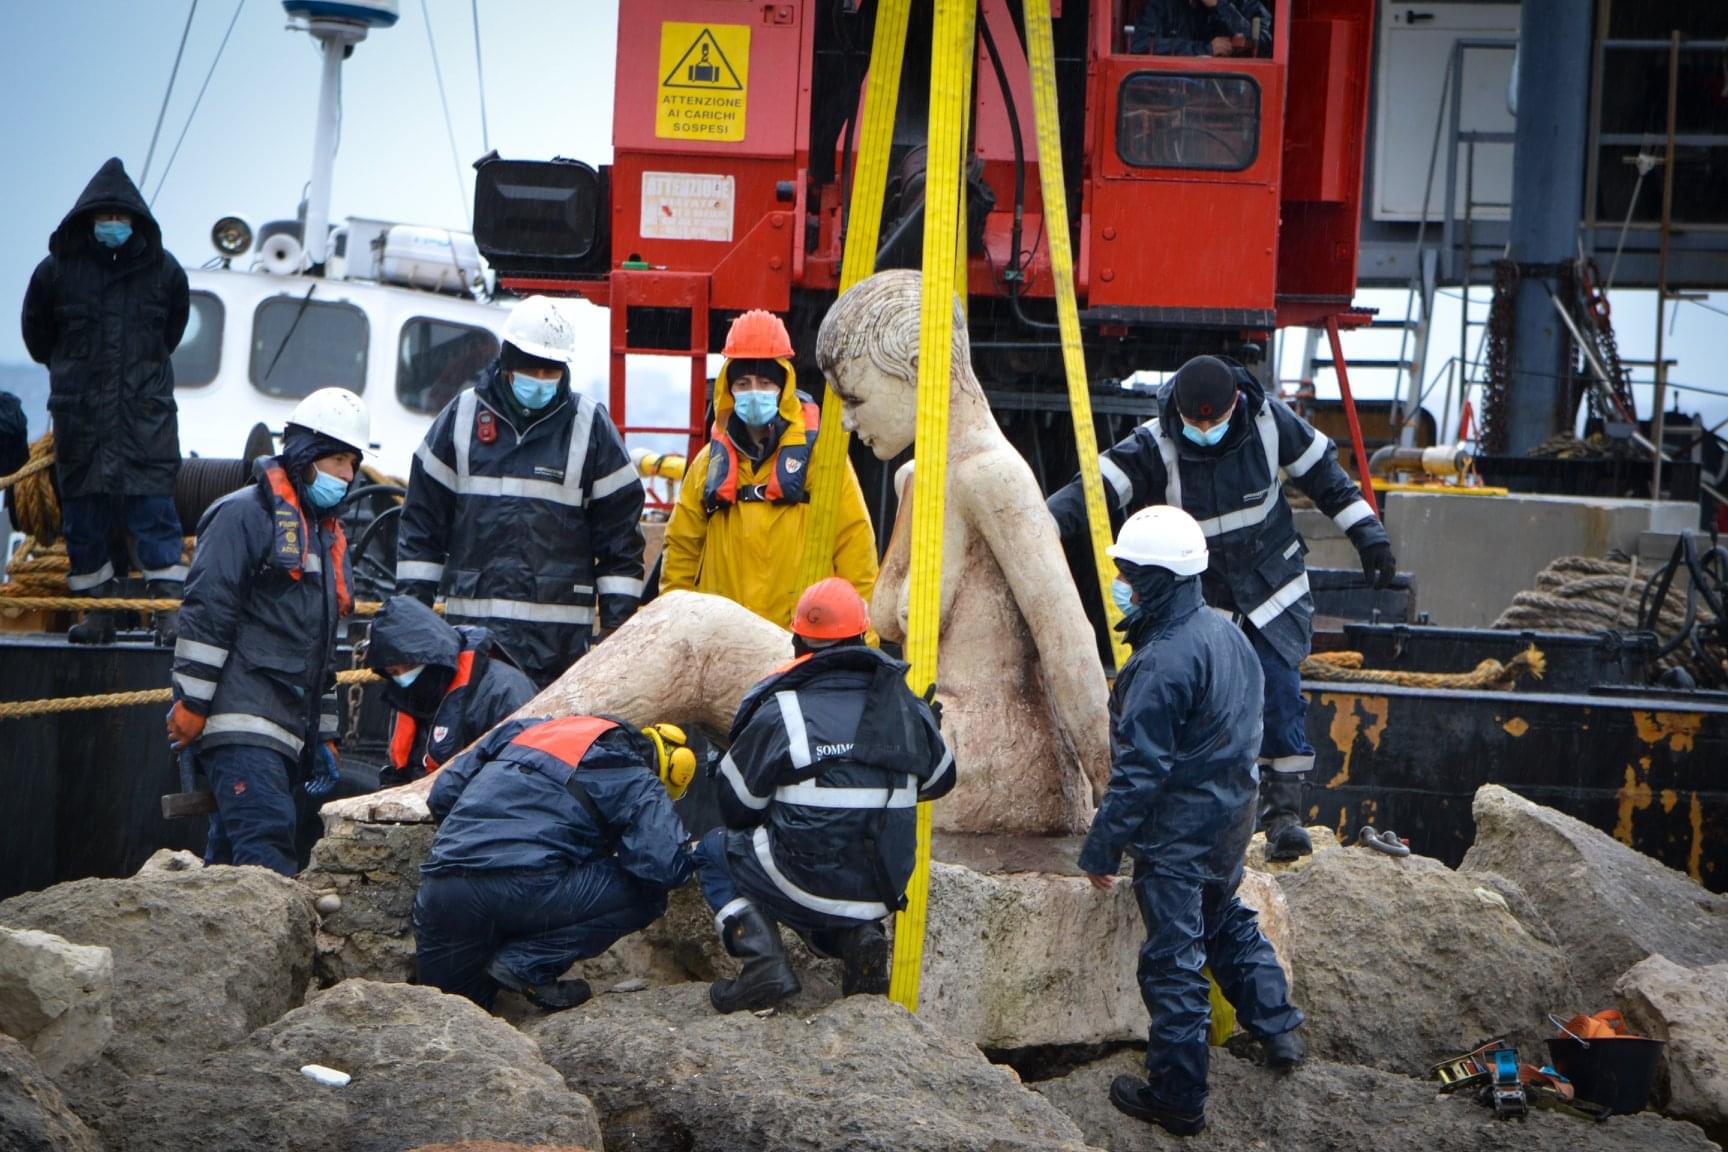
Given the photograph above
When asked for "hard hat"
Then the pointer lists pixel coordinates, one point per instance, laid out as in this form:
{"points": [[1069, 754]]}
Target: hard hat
{"points": [[538, 328], [1162, 537], [676, 765], [336, 413], [757, 335], [831, 609]]}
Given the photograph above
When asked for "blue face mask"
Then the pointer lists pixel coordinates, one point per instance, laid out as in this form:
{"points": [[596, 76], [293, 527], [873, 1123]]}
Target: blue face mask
{"points": [[1208, 438], [532, 392], [326, 491], [1123, 595], [405, 679], [756, 408], [112, 233]]}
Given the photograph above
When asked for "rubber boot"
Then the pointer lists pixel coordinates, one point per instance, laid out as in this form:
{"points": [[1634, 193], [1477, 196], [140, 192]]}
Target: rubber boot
{"points": [[553, 997], [167, 624], [1133, 1096], [97, 627], [752, 936], [864, 950], [1284, 1051], [1281, 815]]}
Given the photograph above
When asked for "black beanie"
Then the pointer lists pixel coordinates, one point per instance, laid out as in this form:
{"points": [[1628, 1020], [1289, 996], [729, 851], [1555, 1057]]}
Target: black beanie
{"points": [[767, 369], [1205, 388]]}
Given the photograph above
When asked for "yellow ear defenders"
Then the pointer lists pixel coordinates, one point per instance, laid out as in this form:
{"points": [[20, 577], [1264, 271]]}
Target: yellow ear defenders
{"points": [[677, 764]]}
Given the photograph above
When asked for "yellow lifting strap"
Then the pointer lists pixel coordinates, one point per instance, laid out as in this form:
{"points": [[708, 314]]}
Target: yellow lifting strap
{"points": [[1041, 56], [950, 91], [863, 232]]}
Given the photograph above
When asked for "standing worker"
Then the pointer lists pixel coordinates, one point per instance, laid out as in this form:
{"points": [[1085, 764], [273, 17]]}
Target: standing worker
{"points": [[1184, 728], [556, 838], [738, 528], [104, 311], [829, 757], [255, 662], [1220, 448], [523, 506], [448, 686]]}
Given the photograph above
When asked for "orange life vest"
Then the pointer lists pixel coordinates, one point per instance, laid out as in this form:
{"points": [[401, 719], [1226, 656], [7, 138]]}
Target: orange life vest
{"points": [[791, 468], [293, 537], [404, 728]]}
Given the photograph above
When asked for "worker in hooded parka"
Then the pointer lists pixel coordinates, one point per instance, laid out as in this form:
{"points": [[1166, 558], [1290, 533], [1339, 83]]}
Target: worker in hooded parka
{"points": [[738, 528]]}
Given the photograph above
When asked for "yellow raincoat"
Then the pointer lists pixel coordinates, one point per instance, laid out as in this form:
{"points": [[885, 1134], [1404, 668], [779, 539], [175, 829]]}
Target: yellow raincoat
{"points": [[750, 552]]}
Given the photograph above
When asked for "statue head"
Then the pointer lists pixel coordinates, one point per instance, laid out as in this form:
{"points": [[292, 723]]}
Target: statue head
{"points": [[868, 350]]}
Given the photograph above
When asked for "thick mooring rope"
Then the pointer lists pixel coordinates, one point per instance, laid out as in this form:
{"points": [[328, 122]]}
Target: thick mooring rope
{"points": [[22, 709], [1346, 667]]}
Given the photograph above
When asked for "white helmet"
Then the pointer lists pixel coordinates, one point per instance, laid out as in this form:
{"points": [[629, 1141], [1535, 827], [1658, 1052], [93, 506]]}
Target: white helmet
{"points": [[1162, 537], [336, 413], [538, 328]]}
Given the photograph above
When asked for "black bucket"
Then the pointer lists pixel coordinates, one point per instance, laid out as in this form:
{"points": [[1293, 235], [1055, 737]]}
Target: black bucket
{"points": [[1615, 1073]]}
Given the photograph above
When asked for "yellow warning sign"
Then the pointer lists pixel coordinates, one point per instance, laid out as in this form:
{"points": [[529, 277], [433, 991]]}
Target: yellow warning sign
{"points": [[704, 80]]}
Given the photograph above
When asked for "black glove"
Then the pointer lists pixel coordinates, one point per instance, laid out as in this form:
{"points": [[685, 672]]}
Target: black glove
{"points": [[424, 591], [1379, 566], [389, 777]]}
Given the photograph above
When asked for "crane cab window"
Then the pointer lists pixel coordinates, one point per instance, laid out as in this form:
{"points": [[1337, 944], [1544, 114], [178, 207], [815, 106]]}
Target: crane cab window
{"points": [[1208, 121], [1234, 28], [436, 359], [199, 356], [300, 345]]}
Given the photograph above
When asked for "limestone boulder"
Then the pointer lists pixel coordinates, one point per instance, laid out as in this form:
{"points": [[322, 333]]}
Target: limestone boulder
{"points": [[426, 1068], [201, 958], [55, 997], [373, 867], [170, 860], [1340, 1108], [1323, 839], [1609, 905], [666, 1072], [33, 1115], [1688, 1008], [1401, 962], [495, 1146]]}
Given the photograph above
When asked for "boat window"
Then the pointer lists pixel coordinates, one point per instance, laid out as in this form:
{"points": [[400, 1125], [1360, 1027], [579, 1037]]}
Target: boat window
{"points": [[1206, 121], [199, 356], [436, 359], [300, 345]]}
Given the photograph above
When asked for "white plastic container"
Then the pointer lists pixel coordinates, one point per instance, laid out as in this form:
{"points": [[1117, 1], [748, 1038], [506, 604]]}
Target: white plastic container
{"points": [[322, 1075]]}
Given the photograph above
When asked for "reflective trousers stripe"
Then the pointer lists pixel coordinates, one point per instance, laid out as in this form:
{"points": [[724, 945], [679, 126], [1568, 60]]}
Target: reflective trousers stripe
{"points": [[175, 573], [851, 909], [89, 580], [1290, 765]]}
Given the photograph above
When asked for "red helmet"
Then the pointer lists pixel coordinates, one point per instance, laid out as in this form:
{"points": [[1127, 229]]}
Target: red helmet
{"points": [[831, 609], [757, 335]]}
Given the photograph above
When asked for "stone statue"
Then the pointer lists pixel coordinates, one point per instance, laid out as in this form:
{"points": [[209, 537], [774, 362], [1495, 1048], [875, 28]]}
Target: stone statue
{"points": [[1023, 693]]}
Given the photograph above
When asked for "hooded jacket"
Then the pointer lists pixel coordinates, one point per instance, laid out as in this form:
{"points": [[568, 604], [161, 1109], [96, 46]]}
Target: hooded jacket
{"points": [[749, 550], [105, 322], [466, 687], [830, 756], [1236, 492], [1185, 720], [525, 525]]}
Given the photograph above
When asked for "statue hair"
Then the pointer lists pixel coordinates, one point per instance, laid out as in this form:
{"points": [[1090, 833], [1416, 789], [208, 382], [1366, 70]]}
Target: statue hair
{"points": [[878, 318]]}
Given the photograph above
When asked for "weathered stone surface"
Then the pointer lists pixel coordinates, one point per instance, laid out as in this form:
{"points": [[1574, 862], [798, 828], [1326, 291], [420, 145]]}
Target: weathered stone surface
{"points": [[201, 958], [1324, 1107], [1609, 905], [374, 869], [861, 1074], [170, 860], [55, 997], [1403, 962], [1687, 1007], [426, 1068], [1323, 838], [494, 1146], [33, 1115]]}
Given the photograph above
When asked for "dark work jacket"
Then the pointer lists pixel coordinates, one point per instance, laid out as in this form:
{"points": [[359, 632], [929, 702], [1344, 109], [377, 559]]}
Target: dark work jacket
{"points": [[829, 758], [523, 530], [105, 322], [1184, 733], [256, 651], [1185, 28], [506, 804], [1235, 490]]}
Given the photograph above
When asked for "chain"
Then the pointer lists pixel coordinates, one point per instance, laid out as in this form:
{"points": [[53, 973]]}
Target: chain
{"points": [[351, 705], [1501, 313]]}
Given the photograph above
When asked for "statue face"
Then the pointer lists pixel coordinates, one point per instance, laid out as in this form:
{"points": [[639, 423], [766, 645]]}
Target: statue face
{"points": [[879, 409]]}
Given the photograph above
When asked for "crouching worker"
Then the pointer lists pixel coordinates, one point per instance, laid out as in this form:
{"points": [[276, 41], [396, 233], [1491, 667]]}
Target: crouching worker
{"points": [[555, 839], [1184, 733], [448, 684], [829, 757]]}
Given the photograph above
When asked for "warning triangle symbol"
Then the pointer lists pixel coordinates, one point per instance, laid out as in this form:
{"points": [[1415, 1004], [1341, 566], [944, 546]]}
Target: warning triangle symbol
{"points": [[704, 67]]}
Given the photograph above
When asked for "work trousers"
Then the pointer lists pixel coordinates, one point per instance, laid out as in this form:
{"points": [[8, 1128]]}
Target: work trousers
{"points": [[1190, 925], [820, 930], [1284, 746], [533, 924], [151, 522], [254, 819]]}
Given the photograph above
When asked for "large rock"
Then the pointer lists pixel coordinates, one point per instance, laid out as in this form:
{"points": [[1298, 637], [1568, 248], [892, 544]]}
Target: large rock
{"points": [[201, 958], [1322, 837], [33, 1115], [55, 997], [374, 867], [1401, 963], [1336, 1108], [1610, 906], [861, 1074], [1689, 1009], [426, 1068]]}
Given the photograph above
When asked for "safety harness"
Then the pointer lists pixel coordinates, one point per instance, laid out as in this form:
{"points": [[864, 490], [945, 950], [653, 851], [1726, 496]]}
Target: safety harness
{"points": [[405, 728], [791, 465], [291, 544]]}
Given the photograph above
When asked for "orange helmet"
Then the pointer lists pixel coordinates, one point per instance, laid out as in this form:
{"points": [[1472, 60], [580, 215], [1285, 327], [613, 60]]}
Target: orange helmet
{"points": [[757, 335], [831, 609]]}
